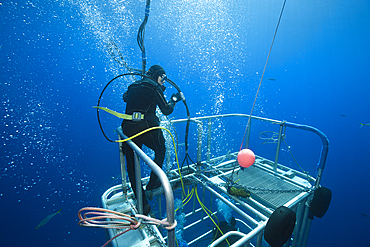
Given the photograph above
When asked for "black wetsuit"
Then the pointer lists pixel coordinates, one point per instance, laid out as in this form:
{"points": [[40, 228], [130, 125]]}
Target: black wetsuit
{"points": [[144, 96]]}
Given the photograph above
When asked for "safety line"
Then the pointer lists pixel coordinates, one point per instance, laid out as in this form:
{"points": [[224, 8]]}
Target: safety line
{"points": [[263, 73]]}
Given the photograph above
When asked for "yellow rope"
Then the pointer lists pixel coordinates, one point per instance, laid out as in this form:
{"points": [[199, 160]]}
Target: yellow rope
{"points": [[174, 146], [125, 116], [117, 114], [205, 210]]}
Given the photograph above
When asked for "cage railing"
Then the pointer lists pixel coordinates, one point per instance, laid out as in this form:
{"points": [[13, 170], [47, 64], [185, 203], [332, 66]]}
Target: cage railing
{"points": [[282, 124]]}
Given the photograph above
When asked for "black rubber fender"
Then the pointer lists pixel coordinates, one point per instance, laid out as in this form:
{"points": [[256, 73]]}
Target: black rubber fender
{"points": [[280, 226], [320, 202]]}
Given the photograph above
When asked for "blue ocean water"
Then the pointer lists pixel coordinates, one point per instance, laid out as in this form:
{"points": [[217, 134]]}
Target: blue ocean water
{"points": [[54, 64]]}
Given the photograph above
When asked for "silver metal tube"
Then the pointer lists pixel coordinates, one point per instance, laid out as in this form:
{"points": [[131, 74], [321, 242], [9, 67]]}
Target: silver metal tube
{"points": [[252, 204], [306, 225], [250, 235], [318, 178], [192, 213], [305, 237], [167, 189], [194, 200], [292, 203], [199, 148], [209, 140], [159, 199], [198, 221], [259, 240], [278, 148], [203, 196], [201, 236], [123, 168], [168, 148], [226, 115], [245, 224], [226, 235], [139, 191], [298, 226]]}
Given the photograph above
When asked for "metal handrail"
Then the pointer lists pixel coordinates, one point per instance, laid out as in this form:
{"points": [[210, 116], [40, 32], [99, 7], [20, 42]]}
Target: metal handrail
{"points": [[226, 235], [323, 137], [167, 189], [324, 150]]}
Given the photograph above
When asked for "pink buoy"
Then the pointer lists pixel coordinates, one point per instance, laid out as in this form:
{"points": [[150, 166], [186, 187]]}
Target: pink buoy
{"points": [[246, 158]]}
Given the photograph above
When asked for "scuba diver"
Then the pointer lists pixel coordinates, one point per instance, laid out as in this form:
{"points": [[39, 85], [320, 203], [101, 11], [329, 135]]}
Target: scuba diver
{"points": [[142, 99]]}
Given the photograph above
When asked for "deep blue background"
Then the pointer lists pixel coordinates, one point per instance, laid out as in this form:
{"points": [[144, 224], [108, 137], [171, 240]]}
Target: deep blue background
{"points": [[54, 64]]}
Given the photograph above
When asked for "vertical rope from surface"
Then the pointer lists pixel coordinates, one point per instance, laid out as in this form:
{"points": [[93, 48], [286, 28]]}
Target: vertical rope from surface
{"points": [[263, 73]]}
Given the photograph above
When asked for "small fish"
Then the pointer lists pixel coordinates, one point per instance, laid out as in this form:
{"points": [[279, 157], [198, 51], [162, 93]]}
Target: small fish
{"points": [[47, 219], [365, 215], [362, 124], [271, 79], [342, 115]]}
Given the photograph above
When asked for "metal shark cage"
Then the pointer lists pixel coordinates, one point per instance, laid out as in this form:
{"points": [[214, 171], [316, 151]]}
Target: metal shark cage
{"points": [[268, 184]]}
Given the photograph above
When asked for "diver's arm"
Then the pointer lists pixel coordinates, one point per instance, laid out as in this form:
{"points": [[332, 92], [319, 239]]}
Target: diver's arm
{"points": [[166, 108], [125, 95]]}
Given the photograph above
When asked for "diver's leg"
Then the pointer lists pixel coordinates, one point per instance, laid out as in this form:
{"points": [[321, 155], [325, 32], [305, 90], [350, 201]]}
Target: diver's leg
{"points": [[130, 161], [156, 142]]}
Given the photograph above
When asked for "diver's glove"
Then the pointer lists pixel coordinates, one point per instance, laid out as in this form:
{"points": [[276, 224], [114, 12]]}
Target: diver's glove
{"points": [[176, 97]]}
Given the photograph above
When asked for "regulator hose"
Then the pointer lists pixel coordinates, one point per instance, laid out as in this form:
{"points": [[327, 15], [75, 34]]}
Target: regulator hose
{"points": [[187, 157], [170, 82], [101, 95], [141, 34]]}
